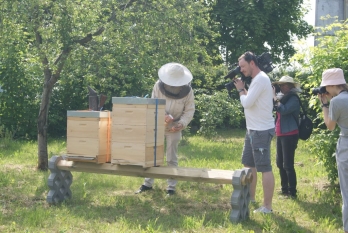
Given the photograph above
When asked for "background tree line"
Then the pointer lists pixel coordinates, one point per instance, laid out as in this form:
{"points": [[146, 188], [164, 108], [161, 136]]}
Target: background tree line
{"points": [[50, 51]]}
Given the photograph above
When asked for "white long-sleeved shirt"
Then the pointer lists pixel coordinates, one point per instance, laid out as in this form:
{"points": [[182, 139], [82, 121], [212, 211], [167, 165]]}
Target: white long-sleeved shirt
{"points": [[258, 103]]}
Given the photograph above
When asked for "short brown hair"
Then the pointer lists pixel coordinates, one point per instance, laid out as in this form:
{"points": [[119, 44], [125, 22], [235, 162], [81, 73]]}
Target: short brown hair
{"points": [[248, 57]]}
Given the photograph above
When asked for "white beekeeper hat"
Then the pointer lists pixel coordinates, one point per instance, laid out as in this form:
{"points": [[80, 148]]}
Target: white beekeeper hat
{"points": [[174, 74]]}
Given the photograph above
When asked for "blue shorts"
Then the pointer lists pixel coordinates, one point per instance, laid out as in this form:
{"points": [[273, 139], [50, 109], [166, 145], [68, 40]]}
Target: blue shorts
{"points": [[257, 149]]}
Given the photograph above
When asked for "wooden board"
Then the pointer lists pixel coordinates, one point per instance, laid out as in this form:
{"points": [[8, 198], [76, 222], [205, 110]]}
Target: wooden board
{"points": [[178, 173], [136, 154], [137, 115], [137, 134], [89, 147], [87, 127]]}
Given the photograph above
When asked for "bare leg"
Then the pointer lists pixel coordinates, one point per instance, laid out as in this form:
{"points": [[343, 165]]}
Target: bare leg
{"points": [[253, 183], [268, 189]]}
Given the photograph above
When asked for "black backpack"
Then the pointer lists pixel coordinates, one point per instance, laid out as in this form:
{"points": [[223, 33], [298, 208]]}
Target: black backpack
{"points": [[305, 124]]}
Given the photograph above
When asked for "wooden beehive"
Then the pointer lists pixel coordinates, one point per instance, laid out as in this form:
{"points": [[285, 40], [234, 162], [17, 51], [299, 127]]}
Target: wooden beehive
{"points": [[88, 136], [137, 131]]}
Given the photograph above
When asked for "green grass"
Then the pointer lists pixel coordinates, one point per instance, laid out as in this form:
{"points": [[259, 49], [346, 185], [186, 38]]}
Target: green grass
{"points": [[107, 203]]}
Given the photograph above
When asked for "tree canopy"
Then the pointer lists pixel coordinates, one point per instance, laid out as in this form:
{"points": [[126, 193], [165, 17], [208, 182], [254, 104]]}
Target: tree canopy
{"points": [[62, 46], [259, 26], [50, 51]]}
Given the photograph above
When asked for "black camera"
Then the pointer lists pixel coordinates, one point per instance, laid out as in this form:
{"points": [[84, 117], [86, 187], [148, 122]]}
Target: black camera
{"points": [[232, 73], [264, 63], [276, 88], [319, 90]]}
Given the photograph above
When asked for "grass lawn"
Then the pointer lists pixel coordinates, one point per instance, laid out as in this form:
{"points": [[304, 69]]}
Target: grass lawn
{"points": [[107, 203]]}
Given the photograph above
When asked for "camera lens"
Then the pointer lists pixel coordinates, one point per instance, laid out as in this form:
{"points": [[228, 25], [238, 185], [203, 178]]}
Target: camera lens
{"points": [[315, 91], [322, 90], [318, 90]]}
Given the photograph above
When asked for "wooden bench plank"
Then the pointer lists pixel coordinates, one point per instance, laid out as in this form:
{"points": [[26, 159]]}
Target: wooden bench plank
{"points": [[177, 173]]}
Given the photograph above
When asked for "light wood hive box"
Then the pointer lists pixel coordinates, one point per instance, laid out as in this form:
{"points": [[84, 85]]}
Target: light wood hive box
{"points": [[88, 136], [137, 131]]}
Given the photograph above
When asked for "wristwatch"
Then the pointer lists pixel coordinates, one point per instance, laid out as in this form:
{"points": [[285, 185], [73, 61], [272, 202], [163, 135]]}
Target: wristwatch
{"points": [[325, 105], [240, 90]]}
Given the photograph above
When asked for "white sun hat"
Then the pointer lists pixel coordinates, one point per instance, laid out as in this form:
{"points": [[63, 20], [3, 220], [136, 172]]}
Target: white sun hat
{"points": [[287, 79], [174, 74]]}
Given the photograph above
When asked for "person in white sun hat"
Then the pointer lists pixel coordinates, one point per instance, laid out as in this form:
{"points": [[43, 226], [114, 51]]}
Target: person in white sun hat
{"points": [[173, 86], [335, 110], [286, 127]]}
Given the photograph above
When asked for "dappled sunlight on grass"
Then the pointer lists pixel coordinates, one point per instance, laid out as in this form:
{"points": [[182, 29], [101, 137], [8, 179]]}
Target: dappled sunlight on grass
{"points": [[224, 153], [107, 203]]}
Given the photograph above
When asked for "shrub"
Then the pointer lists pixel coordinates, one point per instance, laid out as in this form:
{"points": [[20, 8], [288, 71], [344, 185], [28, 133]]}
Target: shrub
{"points": [[323, 144], [218, 110], [6, 137]]}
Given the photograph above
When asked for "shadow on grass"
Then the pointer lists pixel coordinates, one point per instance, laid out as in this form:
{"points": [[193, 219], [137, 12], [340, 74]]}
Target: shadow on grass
{"points": [[187, 210], [325, 207], [195, 206], [285, 225]]}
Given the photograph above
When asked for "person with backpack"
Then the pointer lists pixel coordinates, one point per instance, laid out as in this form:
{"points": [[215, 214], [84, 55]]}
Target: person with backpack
{"points": [[287, 107], [335, 110]]}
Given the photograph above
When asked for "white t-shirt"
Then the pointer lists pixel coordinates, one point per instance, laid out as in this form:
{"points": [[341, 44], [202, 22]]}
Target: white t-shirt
{"points": [[258, 103]]}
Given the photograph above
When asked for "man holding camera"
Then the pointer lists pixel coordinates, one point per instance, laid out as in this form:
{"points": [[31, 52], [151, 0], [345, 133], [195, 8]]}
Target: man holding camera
{"points": [[258, 104]]}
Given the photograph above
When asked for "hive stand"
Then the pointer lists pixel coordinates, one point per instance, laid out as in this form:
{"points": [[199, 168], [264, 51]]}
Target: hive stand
{"points": [[61, 178], [240, 198]]}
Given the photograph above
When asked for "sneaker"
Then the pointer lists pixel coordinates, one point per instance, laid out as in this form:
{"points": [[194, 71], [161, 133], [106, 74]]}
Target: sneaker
{"points": [[170, 192], [263, 210], [143, 188]]}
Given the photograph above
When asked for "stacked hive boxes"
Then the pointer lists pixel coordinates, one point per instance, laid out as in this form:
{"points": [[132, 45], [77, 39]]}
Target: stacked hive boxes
{"points": [[137, 131], [88, 136]]}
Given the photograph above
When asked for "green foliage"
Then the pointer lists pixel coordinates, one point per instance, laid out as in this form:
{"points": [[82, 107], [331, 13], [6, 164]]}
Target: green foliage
{"points": [[136, 39], [217, 111], [330, 52], [323, 144], [259, 26], [18, 79], [67, 95], [6, 137]]}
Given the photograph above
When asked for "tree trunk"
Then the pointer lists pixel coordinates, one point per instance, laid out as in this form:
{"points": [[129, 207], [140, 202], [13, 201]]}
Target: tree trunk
{"points": [[50, 79], [42, 129]]}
